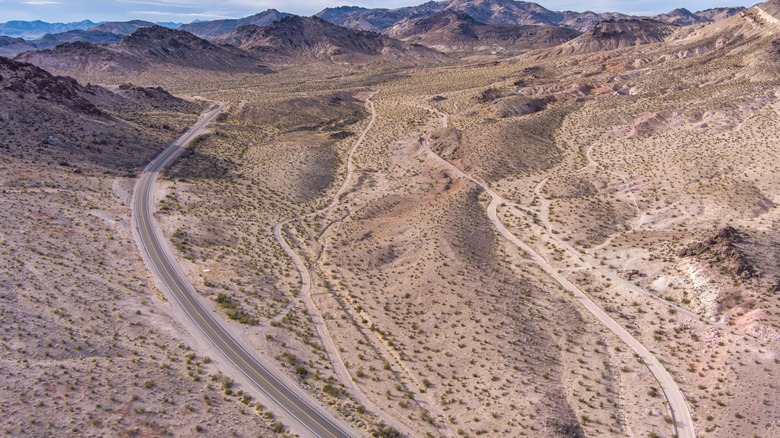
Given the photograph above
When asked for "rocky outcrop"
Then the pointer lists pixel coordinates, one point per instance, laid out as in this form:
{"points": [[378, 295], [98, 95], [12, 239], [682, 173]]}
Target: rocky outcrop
{"points": [[54, 119], [28, 80], [722, 251], [156, 97]]}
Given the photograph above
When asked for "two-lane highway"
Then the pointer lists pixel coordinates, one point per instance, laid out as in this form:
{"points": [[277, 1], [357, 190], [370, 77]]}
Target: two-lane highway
{"points": [[312, 419]]}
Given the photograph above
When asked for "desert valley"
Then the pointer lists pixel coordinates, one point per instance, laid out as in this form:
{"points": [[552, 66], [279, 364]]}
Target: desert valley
{"points": [[459, 219]]}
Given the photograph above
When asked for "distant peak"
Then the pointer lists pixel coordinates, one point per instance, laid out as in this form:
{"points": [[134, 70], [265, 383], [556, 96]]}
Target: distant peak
{"points": [[681, 11], [156, 32], [347, 8], [267, 11]]}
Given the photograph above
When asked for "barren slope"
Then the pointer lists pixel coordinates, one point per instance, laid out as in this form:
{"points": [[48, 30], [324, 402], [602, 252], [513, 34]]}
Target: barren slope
{"points": [[450, 31], [89, 348], [294, 39]]}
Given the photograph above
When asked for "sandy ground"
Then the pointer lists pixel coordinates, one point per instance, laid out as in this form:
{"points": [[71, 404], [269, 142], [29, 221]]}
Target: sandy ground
{"points": [[421, 311]]}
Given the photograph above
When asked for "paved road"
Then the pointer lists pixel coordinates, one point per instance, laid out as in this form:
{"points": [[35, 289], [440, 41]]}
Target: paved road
{"points": [[678, 407], [313, 420]]}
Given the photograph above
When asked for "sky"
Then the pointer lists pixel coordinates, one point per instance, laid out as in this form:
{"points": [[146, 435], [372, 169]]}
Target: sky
{"points": [[185, 11]]}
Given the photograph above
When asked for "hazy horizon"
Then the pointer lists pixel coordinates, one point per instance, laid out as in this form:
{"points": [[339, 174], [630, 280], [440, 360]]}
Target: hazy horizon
{"points": [[63, 11]]}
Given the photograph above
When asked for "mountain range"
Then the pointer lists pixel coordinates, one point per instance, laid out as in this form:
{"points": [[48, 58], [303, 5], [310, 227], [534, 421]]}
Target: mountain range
{"points": [[425, 33], [500, 11], [153, 49], [381, 19], [104, 33], [456, 26], [36, 29]]}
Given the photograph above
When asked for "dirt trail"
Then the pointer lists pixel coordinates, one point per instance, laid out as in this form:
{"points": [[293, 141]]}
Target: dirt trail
{"points": [[590, 261], [589, 157], [678, 407], [305, 293]]}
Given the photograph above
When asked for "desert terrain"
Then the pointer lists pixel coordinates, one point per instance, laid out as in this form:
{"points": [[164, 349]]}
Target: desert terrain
{"points": [[579, 238]]}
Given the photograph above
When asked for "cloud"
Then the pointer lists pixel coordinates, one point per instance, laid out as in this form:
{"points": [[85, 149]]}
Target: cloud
{"points": [[41, 3]]}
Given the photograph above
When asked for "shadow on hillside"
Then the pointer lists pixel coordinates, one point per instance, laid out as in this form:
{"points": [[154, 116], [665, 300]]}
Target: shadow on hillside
{"points": [[194, 165]]}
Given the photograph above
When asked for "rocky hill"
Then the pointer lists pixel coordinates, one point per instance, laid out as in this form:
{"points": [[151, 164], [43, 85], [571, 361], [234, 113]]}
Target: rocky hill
{"points": [[684, 17], [377, 20], [618, 34], [10, 46], [21, 80], [722, 250], [217, 28], [148, 50], [312, 37], [681, 17], [754, 31], [341, 14], [451, 32], [123, 28], [717, 14], [158, 44], [85, 61], [771, 7], [58, 116]]}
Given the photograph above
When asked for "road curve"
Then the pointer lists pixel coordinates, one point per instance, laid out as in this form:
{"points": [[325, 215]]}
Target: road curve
{"points": [[678, 406], [312, 420], [590, 261]]}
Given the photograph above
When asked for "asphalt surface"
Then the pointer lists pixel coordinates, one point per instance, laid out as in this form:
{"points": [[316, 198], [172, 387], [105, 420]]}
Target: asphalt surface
{"points": [[306, 412]]}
